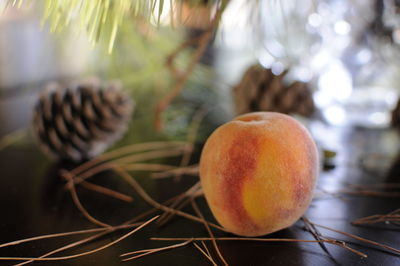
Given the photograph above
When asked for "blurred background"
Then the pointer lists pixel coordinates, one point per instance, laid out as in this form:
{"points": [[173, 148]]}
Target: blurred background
{"points": [[346, 51]]}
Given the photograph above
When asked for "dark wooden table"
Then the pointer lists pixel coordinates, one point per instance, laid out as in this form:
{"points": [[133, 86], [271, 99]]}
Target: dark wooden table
{"points": [[33, 202]]}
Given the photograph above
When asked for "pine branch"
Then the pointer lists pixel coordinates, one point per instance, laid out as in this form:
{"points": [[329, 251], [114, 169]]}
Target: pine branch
{"points": [[103, 18]]}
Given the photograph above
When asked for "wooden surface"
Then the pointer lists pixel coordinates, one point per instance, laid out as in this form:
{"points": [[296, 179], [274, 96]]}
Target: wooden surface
{"points": [[33, 202]]}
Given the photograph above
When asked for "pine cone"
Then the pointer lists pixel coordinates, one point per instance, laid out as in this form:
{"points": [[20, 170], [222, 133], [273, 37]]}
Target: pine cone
{"points": [[261, 90], [79, 122]]}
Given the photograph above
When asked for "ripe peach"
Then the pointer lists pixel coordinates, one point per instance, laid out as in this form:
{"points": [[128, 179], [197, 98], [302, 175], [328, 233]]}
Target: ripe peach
{"points": [[258, 173]]}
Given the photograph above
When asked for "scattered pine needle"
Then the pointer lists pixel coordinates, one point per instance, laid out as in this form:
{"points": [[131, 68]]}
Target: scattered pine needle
{"points": [[344, 245], [187, 194], [80, 242], [207, 255], [128, 159], [122, 160], [384, 190], [198, 212], [87, 231], [69, 246], [144, 156], [127, 224], [190, 170], [316, 234], [106, 191], [153, 250], [103, 231], [79, 205], [329, 241], [148, 167], [392, 217], [178, 208], [359, 238], [84, 253], [138, 147], [138, 188], [205, 247]]}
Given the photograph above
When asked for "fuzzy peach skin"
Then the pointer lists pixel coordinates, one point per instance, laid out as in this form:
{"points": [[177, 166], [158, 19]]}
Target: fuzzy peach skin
{"points": [[258, 173]]}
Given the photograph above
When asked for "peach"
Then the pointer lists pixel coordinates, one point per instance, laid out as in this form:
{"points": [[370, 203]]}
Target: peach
{"points": [[258, 173]]}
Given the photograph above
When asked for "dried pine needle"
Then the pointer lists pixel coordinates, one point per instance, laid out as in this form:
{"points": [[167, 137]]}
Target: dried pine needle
{"points": [[190, 170], [316, 234], [359, 238], [84, 253], [207, 255], [329, 241], [205, 247], [145, 252], [198, 212], [146, 197], [134, 148], [79, 205], [106, 191], [105, 231], [187, 194], [87, 231], [123, 160], [126, 160], [393, 217], [81, 242]]}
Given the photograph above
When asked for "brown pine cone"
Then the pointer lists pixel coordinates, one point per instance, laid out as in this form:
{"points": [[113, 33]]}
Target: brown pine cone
{"points": [[79, 122], [261, 90]]}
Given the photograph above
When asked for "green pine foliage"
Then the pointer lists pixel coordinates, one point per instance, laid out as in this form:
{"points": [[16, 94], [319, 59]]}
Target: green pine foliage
{"points": [[103, 18]]}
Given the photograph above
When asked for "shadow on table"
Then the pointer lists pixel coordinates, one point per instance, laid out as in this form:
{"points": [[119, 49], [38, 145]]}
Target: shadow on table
{"points": [[57, 201]]}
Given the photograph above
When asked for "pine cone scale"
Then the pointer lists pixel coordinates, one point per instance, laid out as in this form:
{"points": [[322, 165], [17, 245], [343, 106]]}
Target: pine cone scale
{"points": [[79, 122], [261, 90]]}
